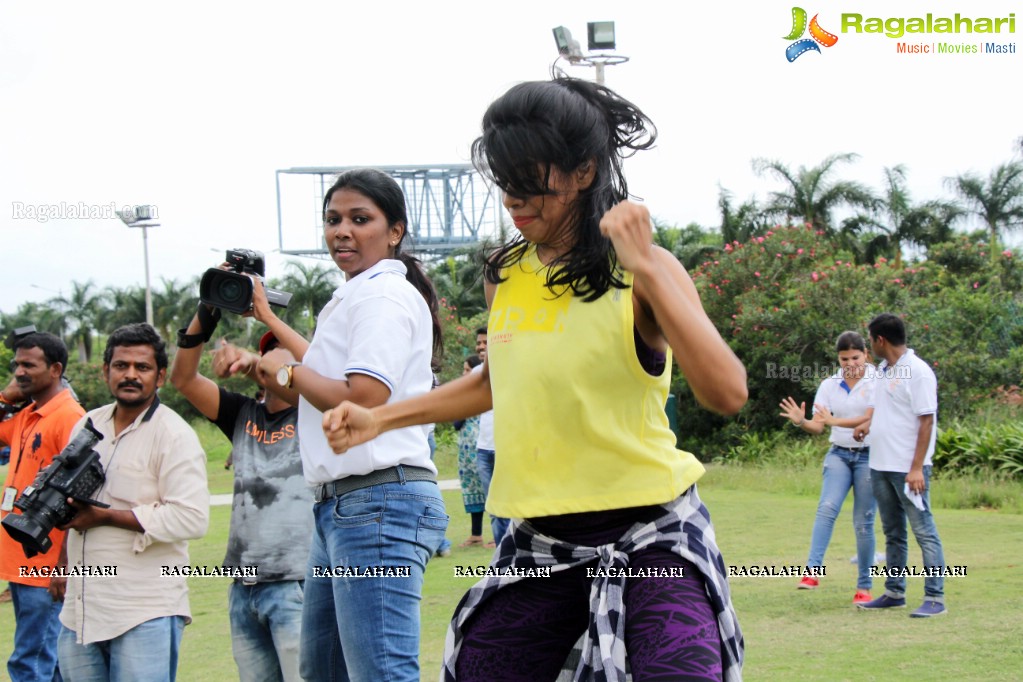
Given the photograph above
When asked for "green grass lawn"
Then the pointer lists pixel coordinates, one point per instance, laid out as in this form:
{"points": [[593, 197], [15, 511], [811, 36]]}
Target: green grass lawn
{"points": [[762, 516]]}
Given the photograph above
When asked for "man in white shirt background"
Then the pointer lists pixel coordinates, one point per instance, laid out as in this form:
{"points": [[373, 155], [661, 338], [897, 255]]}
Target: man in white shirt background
{"points": [[903, 431]]}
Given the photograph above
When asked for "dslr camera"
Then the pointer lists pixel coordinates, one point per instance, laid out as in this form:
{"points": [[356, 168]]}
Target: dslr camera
{"points": [[231, 290], [75, 473]]}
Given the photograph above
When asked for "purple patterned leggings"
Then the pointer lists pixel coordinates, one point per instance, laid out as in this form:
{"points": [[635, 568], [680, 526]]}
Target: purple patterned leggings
{"points": [[527, 630]]}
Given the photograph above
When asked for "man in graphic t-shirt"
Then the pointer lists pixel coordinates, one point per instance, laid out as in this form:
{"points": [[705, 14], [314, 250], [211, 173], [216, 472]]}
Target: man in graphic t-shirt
{"points": [[271, 513]]}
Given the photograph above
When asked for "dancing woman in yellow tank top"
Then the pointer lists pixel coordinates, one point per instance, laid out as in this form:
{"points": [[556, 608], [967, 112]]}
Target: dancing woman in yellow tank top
{"points": [[586, 314]]}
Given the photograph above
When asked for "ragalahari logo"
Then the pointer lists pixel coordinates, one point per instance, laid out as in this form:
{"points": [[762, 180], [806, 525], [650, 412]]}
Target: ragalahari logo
{"points": [[817, 35]]}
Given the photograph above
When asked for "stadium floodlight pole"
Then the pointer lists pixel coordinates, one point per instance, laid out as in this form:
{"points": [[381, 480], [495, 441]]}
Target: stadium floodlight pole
{"points": [[601, 36], [142, 216]]}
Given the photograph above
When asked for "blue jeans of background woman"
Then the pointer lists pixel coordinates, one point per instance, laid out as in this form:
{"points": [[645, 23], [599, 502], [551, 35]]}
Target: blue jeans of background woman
{"points": [[485, 467], [844, 469], [366, 629]]}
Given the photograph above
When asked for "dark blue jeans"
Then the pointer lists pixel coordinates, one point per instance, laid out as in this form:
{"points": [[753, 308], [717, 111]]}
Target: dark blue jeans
{"points": [[894, 508], [485, 467]]}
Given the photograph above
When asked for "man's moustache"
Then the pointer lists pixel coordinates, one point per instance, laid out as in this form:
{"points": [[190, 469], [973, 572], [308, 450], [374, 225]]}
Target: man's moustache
{"points": [[130, 384]]}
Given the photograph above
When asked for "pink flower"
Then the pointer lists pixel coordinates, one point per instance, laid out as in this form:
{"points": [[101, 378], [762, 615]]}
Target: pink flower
{"points": [[814, 276], [756, 274], [799, 252], [838, 262], [1007, 253], [897, 280], [728, 248], [976, 284], [760, 240]]}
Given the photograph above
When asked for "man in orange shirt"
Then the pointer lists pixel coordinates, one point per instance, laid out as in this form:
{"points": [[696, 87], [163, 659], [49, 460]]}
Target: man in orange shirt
{"points": [[36, 434]]}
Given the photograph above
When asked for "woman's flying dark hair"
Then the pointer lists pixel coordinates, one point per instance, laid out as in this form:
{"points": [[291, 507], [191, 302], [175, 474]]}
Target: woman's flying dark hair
{"points": [[850, 341], [382, 190], [562, 124]]}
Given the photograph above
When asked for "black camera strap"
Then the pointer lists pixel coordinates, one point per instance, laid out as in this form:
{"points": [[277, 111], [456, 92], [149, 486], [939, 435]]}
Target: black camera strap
{"points": [[208, 319]]}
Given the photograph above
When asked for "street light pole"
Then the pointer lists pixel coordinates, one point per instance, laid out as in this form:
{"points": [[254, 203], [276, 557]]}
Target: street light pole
{"points": [[142, 216], [149, 291]]}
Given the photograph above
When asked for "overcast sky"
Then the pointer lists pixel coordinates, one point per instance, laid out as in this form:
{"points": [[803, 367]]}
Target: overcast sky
{"points": [[193, 106]]}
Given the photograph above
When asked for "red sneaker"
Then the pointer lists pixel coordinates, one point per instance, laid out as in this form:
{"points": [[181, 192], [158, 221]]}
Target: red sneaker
{"points": [[862, 597], [808, 583]]}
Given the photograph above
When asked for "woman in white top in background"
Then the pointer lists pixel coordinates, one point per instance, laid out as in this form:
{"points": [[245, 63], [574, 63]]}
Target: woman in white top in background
{"points": [[842, 402]]}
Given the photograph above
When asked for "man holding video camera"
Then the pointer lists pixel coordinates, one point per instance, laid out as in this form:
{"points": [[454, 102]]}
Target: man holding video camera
{"points": [[35, 434], [128, 625]]}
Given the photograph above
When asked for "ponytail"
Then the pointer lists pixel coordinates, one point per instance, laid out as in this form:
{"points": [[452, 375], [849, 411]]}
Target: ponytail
{"points": [[417, 278]]}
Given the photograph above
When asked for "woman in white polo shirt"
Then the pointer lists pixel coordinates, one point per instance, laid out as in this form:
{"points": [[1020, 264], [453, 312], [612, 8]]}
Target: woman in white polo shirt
{"points": [[379, 514], [842, 402]]}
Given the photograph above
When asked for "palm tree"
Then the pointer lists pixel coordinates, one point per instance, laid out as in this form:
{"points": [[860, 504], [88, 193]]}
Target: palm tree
{"points": [[45, 317], [901, 222], [83, 309], [459, 281], [126, 306], [998, 200], [810, 195], [173, 306], [739, 225], [691, 244], [311, 286]]}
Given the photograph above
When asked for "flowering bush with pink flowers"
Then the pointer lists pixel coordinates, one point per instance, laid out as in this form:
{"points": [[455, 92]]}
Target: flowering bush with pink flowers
{"points": [[780, 301]]}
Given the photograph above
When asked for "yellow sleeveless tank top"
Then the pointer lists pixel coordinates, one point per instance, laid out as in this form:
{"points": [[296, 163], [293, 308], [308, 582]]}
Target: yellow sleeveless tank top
{"points": [[579, 425]]}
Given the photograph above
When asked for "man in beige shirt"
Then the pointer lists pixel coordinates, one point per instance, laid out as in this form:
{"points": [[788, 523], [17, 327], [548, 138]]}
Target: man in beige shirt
{"points": [[126, 599]]}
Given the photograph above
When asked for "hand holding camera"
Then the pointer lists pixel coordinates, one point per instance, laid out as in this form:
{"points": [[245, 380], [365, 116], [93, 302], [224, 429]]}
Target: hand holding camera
{"points": [[76, 474], [232, 289]]}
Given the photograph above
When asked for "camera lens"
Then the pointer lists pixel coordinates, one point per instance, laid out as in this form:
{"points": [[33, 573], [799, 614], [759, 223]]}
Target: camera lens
{"points": [[230, 291]]}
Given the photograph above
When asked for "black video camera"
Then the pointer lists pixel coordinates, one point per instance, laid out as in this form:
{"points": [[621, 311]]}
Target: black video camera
{"points": [[231, 290], [18, 334], [75, 473]]}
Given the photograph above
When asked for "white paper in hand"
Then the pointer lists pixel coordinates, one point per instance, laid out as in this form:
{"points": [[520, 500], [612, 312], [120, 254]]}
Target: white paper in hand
{"points": [[916, 498]]}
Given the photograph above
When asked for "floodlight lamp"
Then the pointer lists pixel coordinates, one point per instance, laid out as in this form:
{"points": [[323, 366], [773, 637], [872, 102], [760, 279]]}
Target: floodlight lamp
{"points": [[127, 216], [601, 35], [134, 215], [563, 39]]}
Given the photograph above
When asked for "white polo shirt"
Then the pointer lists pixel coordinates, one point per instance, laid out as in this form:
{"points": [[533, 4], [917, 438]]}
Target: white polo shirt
{"points": [[379, 325], [905, 392], [844, 403]]}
